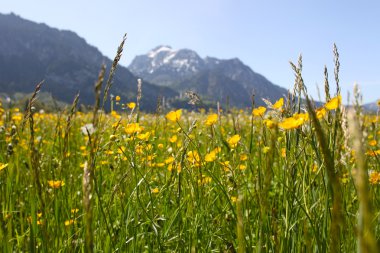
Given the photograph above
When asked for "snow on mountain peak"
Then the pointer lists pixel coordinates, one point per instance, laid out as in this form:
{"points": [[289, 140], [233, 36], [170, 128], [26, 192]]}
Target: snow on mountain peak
{"points": [[153, 53]]}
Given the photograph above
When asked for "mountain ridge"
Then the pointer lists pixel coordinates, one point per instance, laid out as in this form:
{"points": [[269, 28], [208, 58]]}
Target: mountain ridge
{"points": [[184, 69], [31, 52]]}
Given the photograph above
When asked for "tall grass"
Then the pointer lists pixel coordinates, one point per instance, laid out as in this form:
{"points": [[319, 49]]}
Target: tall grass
{"points": [[286, 178]]}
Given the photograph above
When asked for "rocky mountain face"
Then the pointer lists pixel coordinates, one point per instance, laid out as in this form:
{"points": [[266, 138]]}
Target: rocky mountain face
{"points": [[214, 79], [372, 107], [31, 52]]}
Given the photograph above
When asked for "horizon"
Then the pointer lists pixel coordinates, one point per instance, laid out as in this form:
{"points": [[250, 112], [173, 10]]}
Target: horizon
{"points": [[221, 29]]}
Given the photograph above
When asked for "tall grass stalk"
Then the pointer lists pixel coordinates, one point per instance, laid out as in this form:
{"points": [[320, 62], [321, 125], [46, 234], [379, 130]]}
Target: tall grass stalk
{"points": [[366, 236]]}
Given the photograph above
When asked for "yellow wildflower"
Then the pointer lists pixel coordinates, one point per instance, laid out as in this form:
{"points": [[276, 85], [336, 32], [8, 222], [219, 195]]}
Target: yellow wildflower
{"points": [[174, 115], [204, 180], [374, 177], [283, 152], [115, 115], [373, 152], [266, 149], [117, 98], [242, 166], [3, 166], [243, 157], [259, 111], [269, 123], [372, 143], [133, 128], [155, 190], [170, 159], [131, 105], [233, 140], [173, 139], [159, 165], [70, 222], [193, 157], [226, 165], [279, 103], [211, 119], [294, 122], [143, 137], [320, 112], [56, 183], [333, 103], [210, 157]]}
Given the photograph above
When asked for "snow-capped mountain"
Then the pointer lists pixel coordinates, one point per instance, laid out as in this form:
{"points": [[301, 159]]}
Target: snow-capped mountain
{"points": [[212, 78], [163, 65]]}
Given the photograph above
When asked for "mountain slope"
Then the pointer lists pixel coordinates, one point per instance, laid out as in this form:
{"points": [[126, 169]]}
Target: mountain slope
{"points": [[185, 70], [31, 52]]}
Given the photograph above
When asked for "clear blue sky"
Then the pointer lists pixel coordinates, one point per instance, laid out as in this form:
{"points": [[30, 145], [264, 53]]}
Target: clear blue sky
{"points": [[264, 34]]}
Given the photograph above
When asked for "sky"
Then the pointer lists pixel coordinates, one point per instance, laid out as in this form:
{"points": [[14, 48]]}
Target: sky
{"points": [[264, 34]]}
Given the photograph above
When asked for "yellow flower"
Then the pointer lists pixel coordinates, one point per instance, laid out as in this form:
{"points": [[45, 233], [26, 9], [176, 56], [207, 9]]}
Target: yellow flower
{"points": [[269, 123], [144, 137], [374, 177], [117, 98], [56, 183], [226, 165], [133, 128], [169, 160], [259, 111], [172, 166], [266, 149], [173, 139], [373, 152], [243, 157], [3, 166], [233, 199], [233, 140], [193, 157], [204, 180], [279, 103], [155, 190], [211, 119], [334, 103], [70, 222], [160, 146], [242, 166], [131, 105], [174, 115], [314, 168], [294, 122], [17, 117], [372, 143], [74, 210], [283, 152], [378, 103], [115, 115], [320, 112], [210, 157], [303, 117]]}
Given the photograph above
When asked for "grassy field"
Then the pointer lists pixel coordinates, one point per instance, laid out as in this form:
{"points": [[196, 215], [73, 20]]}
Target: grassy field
{"points": [[288, 177]]}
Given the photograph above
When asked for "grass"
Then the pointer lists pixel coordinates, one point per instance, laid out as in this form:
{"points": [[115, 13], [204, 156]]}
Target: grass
{"points": [[286, 178]]}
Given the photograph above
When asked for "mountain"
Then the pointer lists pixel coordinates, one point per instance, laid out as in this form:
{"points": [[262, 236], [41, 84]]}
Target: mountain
{"points": [[214, 79], [371, 107], [31, 52]]}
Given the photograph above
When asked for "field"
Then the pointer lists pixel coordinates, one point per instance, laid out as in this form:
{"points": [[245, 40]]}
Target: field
{"points": [[287, 177]]}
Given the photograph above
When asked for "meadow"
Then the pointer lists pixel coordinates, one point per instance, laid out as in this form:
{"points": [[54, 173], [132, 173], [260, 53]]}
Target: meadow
{"points": [[288, 177]]}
